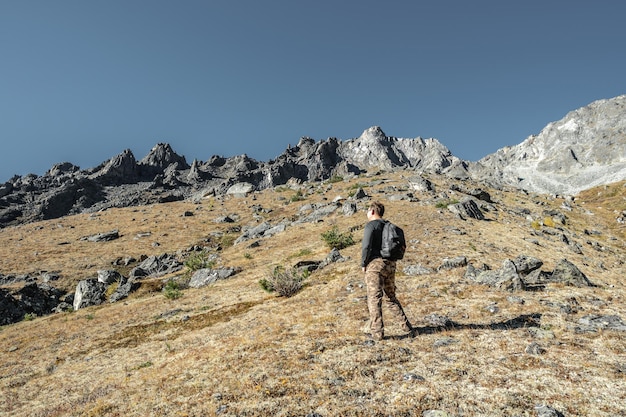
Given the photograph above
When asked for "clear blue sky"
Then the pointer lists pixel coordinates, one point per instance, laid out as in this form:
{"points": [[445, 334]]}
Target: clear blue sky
{"points": [[80, 81]]}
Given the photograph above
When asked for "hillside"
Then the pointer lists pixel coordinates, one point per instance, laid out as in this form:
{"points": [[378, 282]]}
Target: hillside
{"points": [[232, 349]]}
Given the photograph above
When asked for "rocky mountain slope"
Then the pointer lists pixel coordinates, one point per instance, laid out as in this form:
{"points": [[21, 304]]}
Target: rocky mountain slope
{"points": [[584, 149], [519, 300]]}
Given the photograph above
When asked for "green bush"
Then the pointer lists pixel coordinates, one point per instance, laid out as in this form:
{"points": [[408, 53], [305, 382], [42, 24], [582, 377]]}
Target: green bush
{"points": [[172, 290], [336, 239], [445, 203], [199, 260], [335, 178], [298, 196], [285, 282]]}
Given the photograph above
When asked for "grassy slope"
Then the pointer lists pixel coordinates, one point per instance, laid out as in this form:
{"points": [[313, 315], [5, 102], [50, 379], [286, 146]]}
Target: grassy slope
{"points": [[232, 349]]}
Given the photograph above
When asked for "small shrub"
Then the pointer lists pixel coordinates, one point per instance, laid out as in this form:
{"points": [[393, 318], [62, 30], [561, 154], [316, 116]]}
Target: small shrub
{"points": [[172, 290], [199, 261], [549, 222], [445, 203], [535, 224], [227, 240], [336, 239], [335, 178], [298, 196], [247, 255], [29, 316], [285, 282]]}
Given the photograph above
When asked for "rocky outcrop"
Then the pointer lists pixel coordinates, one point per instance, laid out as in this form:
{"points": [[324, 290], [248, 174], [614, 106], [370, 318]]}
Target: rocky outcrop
{"points": [[585, 149]]}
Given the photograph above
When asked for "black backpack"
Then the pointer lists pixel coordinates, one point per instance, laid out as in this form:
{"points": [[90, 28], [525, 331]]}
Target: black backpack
{"points": [[393, 243]]}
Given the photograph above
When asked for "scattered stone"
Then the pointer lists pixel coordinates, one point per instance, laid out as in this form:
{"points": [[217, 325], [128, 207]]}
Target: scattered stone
{"points": [[467, 209], [349, 209], [437, 320], [123, 290], [89, 292], [205, 276], [102, 237], [240, 190], [539, 333], [568, 273], [421, 184], [109, 276], [413, 377], [492, 308], [452, 263], [414, 270], [534, 349], [515, 299], [435, 413], [505, 278], [445, 341], [224, 219], [593, 323], [546, 411]]}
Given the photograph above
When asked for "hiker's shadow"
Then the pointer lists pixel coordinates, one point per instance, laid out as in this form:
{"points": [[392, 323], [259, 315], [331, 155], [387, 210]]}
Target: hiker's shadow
{"points": [[524, 320]]}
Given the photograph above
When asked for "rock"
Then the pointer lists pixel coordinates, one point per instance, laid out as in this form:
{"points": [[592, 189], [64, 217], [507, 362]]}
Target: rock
{"points": [[109, 276], [360, 194], [39, 299], [11, 311], [584, 149], [436, 413], [123, 290], [349, 209], [421, 184], [506, 278], [467, 209], [593, 323], [437, 320], [319, 214], [568, 273], [102, 237], [89, 292], [534, 349], [205, 276], [240, 190], [155, 266], [332, 257], [452, 263], [546, 411], [414, 270], [526, 264]]}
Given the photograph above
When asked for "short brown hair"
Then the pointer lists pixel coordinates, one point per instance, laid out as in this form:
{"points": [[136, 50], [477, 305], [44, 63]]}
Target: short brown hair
{"points": [[377, 207]]}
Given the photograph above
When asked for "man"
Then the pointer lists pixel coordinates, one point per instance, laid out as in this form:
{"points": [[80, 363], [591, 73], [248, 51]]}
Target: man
{"points": [[380, 275]]}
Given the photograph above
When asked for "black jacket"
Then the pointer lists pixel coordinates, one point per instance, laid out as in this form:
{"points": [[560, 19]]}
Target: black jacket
{"points": [[372, 240]]}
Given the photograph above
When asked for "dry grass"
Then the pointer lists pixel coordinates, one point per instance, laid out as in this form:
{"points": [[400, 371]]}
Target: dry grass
{"points": [[231, 349]]}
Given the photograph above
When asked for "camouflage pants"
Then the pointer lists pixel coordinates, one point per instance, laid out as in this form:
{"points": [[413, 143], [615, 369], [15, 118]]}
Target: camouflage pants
{"points": [[380, 278]]}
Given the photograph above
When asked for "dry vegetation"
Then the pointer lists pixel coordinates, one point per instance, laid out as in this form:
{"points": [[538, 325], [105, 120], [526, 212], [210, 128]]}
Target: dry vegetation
{"points": [[231, 349]]}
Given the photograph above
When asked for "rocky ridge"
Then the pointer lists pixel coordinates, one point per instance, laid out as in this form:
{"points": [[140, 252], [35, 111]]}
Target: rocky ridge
{"points": [[584, 149]]}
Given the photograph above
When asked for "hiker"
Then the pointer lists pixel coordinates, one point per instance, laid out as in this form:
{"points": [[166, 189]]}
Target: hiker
{"points": [[380, 275]]}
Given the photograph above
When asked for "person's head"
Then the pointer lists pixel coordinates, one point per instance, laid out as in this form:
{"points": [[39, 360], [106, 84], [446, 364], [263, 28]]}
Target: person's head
{"points": [[376, 209]]}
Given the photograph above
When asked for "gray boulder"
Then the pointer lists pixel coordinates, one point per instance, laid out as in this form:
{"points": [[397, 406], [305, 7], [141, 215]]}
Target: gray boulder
{"points": [[39, 299], [467, 209], [155, 266], [109, 276], [11, 311], [205, 276], [568, 273], [89, 292], [506, 278], [123, 290]]}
